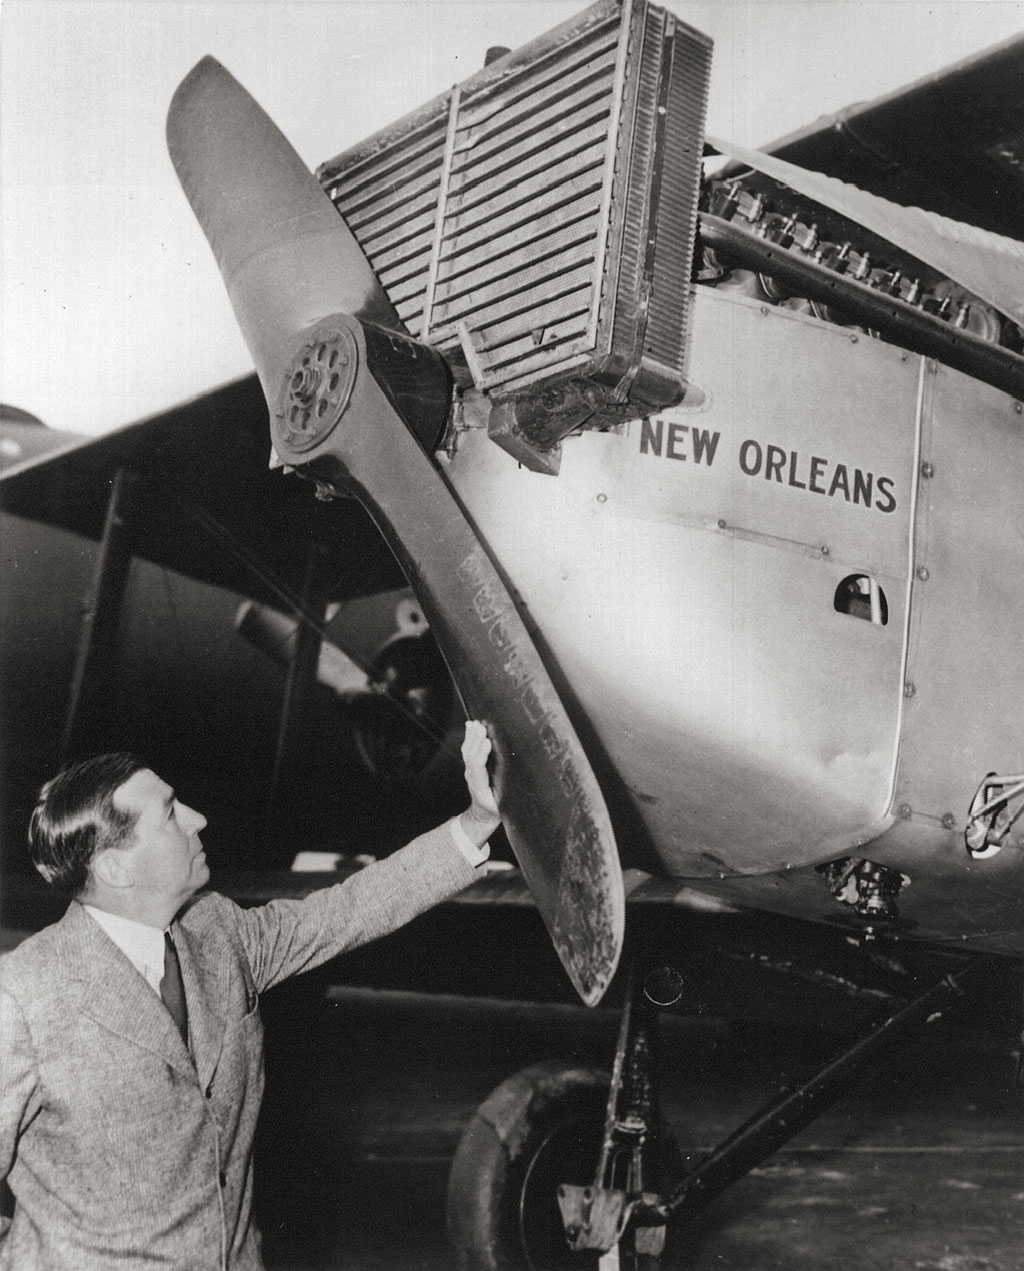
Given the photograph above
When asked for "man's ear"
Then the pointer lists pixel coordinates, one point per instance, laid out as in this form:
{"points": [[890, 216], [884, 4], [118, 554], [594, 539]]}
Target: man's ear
{"points": [[112, 868]]}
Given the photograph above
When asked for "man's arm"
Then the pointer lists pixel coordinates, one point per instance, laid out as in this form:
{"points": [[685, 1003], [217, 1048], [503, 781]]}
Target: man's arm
{"points": [[288, 936]]}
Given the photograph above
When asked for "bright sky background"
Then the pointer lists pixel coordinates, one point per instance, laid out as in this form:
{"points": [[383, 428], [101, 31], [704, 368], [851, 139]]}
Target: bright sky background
{"points": [[111, 305]]}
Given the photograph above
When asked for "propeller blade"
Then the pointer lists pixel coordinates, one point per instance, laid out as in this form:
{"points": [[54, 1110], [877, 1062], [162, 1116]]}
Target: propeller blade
{"points": [[552, 807], [337, 391], [286, 256]]}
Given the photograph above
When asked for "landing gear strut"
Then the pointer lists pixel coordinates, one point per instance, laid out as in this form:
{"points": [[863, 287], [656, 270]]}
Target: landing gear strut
{"points": [[561, 1166]]}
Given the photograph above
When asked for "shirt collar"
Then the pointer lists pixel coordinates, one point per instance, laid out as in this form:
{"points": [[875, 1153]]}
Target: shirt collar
{"points": [[142, 944]]}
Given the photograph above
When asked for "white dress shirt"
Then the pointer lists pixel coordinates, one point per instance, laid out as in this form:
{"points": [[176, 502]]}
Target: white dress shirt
{"points": [[141, 944]]}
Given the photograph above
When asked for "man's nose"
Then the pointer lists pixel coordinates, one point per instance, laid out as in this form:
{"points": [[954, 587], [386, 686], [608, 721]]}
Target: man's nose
{"points": [[196, 821]]}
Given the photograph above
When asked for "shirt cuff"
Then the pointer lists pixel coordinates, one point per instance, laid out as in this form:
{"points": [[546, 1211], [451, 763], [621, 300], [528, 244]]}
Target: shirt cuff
{"points": [[475, 855]]}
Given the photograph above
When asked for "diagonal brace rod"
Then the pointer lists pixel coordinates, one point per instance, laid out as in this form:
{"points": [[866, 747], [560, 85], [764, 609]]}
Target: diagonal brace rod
{"points": [[784, 1118]]}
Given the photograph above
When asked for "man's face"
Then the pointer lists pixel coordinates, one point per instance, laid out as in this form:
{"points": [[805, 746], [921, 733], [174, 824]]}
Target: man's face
{"points": [[165, 856]]}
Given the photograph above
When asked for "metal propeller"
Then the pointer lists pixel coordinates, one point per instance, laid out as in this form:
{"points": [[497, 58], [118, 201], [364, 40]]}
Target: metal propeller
{"points": [[344, 382]]}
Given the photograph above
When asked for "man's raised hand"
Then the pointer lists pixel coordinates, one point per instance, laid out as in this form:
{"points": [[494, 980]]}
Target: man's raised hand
{"points": [[483, 810]]}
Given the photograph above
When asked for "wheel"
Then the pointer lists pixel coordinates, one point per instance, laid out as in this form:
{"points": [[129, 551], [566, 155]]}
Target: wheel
{"points": [[542, 1127]]}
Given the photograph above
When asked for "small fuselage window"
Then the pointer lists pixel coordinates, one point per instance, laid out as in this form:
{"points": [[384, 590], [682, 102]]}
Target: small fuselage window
{"points": [[860, 596]]}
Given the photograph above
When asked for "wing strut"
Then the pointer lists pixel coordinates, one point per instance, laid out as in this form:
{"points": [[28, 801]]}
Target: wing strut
{"points": [[101, 613], [300, 679]]}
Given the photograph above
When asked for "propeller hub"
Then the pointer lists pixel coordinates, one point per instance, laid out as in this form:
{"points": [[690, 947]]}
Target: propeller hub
{"points": [[317, 386]]}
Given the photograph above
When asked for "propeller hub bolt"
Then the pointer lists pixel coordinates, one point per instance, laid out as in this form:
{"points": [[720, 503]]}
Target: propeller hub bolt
{"points": [[305, 383]]}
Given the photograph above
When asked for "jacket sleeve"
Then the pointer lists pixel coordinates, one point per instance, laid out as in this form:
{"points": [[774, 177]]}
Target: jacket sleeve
{"points": [[19, 1082], [288, 936]]}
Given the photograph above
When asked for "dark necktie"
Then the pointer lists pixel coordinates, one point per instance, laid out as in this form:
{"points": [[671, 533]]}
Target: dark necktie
{"points": [[172, 988]]}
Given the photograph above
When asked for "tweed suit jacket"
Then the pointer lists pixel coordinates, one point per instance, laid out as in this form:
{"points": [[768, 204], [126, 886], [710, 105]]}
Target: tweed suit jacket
{"points": [[124, 1150]]}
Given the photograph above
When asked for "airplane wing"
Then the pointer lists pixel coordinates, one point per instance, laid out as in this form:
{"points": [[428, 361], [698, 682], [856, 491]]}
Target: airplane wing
{"points": [[206, 502], [952, 142]]}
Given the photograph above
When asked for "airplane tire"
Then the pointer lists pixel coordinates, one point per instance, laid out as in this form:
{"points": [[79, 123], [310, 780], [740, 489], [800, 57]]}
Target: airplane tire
{"points": [[539, 1128]]}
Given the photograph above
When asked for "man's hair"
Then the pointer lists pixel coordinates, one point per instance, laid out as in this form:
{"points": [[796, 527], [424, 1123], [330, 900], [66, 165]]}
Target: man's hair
{"points": [[75, 817]]}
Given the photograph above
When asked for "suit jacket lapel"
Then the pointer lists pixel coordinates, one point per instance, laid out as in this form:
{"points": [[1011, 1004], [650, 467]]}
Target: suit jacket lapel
{"points": [[204, 994], [115, 995]]}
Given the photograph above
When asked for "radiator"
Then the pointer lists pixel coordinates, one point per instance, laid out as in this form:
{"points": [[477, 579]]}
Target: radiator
{"points": [[536, 223]]}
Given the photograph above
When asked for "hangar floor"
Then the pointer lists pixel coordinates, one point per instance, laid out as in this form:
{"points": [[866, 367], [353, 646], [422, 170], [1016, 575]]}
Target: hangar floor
{"points": [[921, 1169]]}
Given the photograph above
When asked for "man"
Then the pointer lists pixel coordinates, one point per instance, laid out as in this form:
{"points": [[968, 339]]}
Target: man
{"points": [[131, 1048]]}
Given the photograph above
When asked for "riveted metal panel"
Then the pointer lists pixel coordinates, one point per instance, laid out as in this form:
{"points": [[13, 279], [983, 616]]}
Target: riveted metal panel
{"points": [[683, 591], [966, 650]]}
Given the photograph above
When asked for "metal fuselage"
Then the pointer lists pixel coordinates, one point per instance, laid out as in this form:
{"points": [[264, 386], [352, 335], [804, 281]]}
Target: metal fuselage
{"points": [[686, 575]]}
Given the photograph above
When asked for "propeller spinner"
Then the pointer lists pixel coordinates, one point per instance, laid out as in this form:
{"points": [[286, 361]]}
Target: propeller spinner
{"points": [[347, 388]]}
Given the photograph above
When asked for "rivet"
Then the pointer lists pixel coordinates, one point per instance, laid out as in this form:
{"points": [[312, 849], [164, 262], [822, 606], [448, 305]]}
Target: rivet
{"points": [[904, 356], [948, 821], [927, 470], [1019, 407], [854, 339], [723, 525], [602, 498], [825, 551], [906, 811], [908, 689], [764, 311], [922, 573]]}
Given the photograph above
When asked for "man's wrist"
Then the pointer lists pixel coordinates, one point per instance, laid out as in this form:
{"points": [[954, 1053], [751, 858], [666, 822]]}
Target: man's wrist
{"points": [[471, 839], [479, 823]]}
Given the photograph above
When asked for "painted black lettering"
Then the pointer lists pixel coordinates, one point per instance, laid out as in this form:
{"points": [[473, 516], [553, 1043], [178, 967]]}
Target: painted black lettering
{"points": [[650, 436], [750, 465], [840, 481], [793, 460], [676, 438], [818, 467], [886, 501], [775, 457], [704, 445], [862, 483]]}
